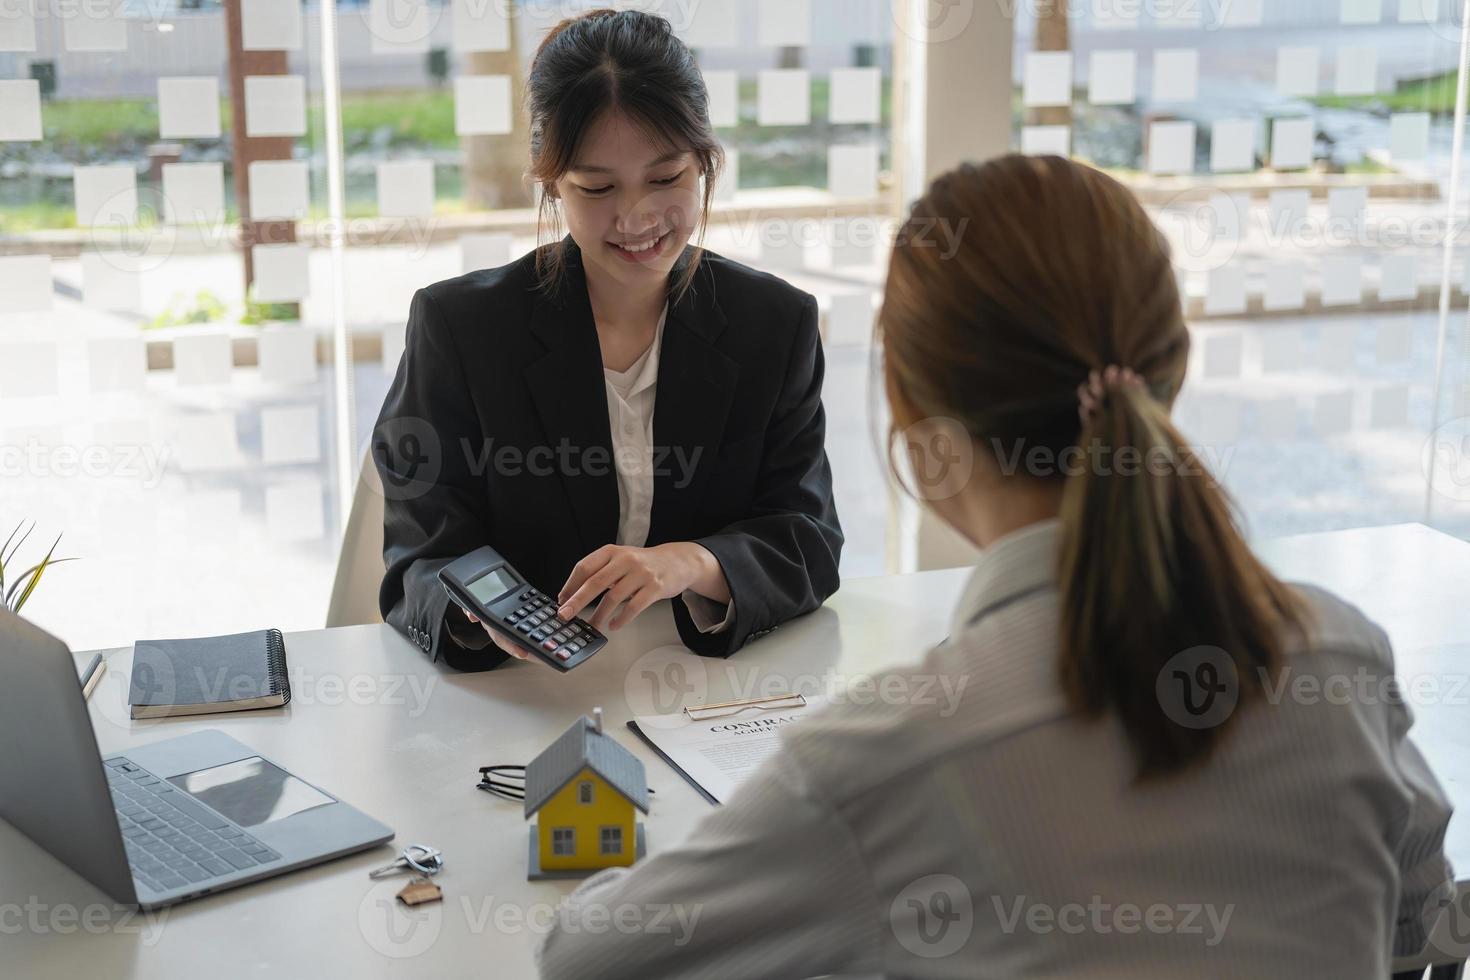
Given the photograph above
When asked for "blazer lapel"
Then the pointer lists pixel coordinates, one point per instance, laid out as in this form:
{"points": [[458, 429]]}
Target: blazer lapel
{"points": [[570, 396], [696, 387]]}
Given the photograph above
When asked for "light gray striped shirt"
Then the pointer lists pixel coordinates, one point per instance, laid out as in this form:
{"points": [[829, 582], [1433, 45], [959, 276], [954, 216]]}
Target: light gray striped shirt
{"points": [[1002, 836]]}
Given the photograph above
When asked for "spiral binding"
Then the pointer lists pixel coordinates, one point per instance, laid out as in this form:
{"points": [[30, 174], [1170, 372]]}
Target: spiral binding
{"points": [[275, 653]]}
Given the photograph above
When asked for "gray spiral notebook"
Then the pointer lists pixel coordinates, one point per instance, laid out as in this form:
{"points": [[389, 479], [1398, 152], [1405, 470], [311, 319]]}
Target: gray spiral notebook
{"points": [[208, 674]]}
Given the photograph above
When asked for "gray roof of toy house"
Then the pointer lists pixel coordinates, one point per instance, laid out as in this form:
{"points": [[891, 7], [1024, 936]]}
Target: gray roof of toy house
{"points": [[579, 747]]}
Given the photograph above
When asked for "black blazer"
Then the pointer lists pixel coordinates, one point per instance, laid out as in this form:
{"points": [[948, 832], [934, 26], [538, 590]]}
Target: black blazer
{"points": [[496, 431]]}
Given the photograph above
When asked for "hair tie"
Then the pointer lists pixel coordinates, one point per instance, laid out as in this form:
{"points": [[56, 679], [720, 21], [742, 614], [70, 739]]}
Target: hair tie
{"points": [[1094, 391]]}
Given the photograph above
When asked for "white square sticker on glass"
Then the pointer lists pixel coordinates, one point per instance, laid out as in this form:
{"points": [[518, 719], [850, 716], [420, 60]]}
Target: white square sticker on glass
{"points": [[282, 272], [1398, 280], [1281, 349], [482, 105], [784, 97], [1225, 290], [290, 435], [484, 251], [1171, 147], [29, 370], [1357, 71], [95, 26], [193, 193], [270, 25], [1048, 79], [1218, 423], [188, 108], [1298, 71], [1342, 280], [1395, 341], [852, 171], [729, 180], [25, 283], [480, 25], [106, 194], [707, 24], [1276, 419], [207, 441], [1222, 218], [856, 95], [1112, 78], [18, 31], [280, 190], [1223, 355], [110, 281], [117, 363], [1361, 11], [275, 105], [20, 110], [850, 319], [724, 97], [393, 338], [1233, 146], [1418, 11], [1332, 413], [1347, 204], [1408, 137], [1288, 210], [293, 512], [1176, 75], [202, 358], [1291, 144], [1242, 13], [286, 355], [1389, 408], [1286, 285], [400, 26], [784, 23], [851, 241], [1337, 349], [405, 188], [1046, 140]]}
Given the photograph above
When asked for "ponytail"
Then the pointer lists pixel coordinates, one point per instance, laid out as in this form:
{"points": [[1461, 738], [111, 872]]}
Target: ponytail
{"points": [[1153, 570]]}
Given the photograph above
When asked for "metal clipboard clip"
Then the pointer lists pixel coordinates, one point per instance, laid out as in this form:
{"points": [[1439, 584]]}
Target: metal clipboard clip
{"points": [[724, 709]]}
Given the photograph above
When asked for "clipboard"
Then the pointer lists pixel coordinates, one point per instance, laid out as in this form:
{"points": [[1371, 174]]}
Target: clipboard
{"points": [[721, 709]]}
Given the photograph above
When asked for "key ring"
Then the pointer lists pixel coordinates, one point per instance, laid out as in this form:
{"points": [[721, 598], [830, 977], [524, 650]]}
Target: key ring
{"points": [[422, 858]]}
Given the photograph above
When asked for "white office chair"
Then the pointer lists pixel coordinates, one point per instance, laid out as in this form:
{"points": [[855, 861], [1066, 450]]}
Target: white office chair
{"points": [[360, 562]]}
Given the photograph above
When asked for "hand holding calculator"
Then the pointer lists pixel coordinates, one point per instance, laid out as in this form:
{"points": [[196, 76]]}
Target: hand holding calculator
{"points": [[485, 585]]}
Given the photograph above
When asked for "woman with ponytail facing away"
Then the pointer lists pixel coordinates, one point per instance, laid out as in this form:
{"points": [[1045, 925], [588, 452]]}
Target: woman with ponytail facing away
{"points": [[1127, 787]]}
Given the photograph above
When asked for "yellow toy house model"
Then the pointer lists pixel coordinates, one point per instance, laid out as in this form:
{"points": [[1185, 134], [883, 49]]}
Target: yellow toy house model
{"points": [[584, 787]]}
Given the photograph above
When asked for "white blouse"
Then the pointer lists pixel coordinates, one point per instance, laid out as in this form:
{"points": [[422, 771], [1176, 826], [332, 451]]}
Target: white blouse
{"points": [[630, 404]]}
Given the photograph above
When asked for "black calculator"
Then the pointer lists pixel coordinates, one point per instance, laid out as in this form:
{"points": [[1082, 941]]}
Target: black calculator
{"points": [[488, 588]]}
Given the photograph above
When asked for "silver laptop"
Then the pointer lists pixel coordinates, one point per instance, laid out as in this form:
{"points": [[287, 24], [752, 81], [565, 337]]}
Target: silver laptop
{"points": [[157, 824]]}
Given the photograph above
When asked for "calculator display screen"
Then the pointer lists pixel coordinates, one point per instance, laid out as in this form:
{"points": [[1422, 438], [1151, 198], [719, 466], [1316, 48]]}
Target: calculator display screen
{"points": [[492, 585]]}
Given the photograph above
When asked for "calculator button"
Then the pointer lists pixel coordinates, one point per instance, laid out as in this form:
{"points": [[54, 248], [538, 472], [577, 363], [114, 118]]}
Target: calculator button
{"points": [[564, 654], [550, 645], [524, 595], [573, 646], [524, 627], [513, 617]]}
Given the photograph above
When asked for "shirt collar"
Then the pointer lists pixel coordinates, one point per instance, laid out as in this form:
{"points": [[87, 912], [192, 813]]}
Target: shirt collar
{"points": [[1016, 564], [648, 374]]}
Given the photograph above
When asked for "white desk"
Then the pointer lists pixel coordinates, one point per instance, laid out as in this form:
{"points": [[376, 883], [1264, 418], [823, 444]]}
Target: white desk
{"points": [[375, 723]]}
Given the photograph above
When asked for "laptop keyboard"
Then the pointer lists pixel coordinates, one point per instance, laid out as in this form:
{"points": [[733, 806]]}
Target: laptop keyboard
{"points": [[171, 839]]}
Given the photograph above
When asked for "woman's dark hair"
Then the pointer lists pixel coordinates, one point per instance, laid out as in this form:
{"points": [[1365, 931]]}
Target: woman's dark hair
{"points": [[631, 62], [1059, 271]]}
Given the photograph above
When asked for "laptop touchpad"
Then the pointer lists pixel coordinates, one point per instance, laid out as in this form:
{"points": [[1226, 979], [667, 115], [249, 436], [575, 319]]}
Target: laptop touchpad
{"points": [[250, 791]]}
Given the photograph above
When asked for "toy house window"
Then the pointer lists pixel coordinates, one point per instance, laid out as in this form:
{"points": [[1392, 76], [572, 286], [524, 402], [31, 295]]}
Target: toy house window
{"points": [[612, 840], [563, 840], [584, 792]]}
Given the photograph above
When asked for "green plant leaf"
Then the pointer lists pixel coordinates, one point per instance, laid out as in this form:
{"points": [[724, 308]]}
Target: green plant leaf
{"points": [[34, 572], [6, 557]]}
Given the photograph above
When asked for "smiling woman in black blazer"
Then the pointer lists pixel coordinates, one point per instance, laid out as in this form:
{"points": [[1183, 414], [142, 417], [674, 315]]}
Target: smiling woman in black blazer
{"points": [[523, 412]]}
